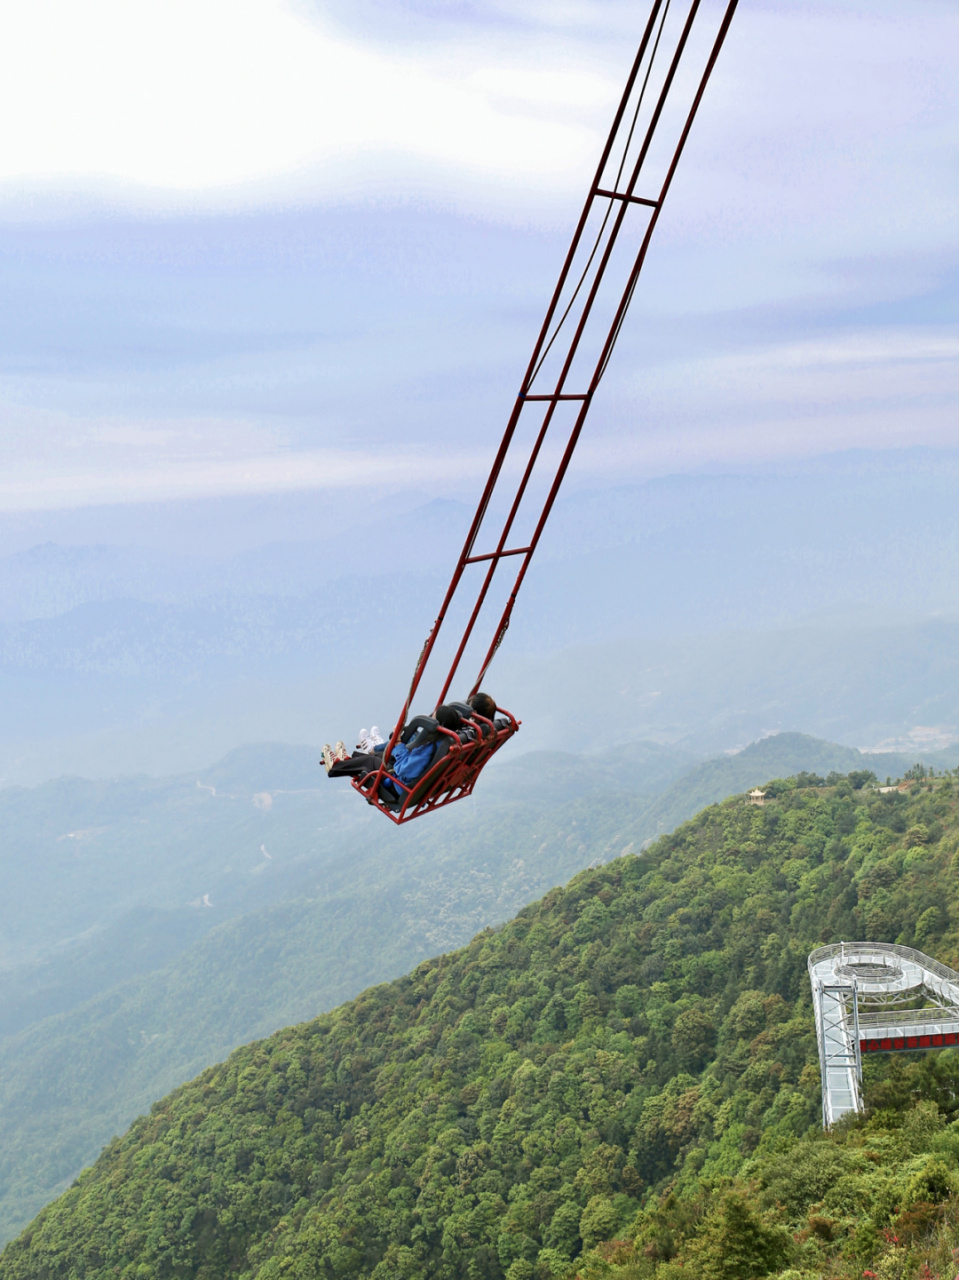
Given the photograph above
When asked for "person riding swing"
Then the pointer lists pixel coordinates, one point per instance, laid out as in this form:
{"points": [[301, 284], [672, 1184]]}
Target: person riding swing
{"points": [[415, 751]]}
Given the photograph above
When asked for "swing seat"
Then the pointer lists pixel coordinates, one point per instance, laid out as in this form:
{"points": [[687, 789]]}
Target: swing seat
{"points": [[452, 773]]}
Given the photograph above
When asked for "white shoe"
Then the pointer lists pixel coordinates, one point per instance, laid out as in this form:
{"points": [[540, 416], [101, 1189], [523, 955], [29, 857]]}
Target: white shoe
{"points": [[369, 740], [328, 757], [340, 752]]}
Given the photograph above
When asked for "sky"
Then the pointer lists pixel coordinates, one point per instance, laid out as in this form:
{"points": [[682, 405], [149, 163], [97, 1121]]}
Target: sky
{"points": [[269, 246]]}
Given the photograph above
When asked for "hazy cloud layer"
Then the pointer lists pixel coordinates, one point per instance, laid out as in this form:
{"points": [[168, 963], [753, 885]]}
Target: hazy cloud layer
{"points": [[264, 246]]}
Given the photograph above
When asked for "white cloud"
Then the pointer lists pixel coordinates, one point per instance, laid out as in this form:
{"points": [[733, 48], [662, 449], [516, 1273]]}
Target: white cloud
{"points": [[882, 368], [828, 122], [54, 488], [821, 163], [889, 388], [828, 127], [869, 389], [195, 95], [55, 461]]}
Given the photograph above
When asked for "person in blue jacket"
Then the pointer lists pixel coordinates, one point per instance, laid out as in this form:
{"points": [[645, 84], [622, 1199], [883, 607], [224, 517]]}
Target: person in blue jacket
{"points": [[407, 763]]}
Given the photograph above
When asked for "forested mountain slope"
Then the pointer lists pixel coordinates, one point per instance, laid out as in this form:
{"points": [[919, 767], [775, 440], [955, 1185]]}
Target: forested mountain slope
{"points": [[589, 1073], [69, 1082], [146, 998]]}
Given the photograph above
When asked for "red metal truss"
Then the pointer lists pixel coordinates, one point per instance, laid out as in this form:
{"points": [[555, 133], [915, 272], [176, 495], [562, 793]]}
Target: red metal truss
{"points": [[678, 51], [892, 1044]]}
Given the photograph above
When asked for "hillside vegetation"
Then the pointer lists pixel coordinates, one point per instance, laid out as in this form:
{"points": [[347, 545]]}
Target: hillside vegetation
{"points": [[623, 1079], [149, 995]]}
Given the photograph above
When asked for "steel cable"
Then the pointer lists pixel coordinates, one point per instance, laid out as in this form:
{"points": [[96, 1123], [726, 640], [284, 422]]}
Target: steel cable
{"points": [[609, 208]]}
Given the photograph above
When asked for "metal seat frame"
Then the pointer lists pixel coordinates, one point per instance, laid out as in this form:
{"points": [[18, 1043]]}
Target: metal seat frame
{"points": [[451, 778]]}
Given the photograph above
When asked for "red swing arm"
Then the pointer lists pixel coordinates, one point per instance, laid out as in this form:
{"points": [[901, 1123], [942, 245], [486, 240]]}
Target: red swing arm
{"points": [[678, 51]]}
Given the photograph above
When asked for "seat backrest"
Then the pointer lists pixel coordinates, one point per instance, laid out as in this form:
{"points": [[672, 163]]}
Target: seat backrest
{"points": [[416, 729]]}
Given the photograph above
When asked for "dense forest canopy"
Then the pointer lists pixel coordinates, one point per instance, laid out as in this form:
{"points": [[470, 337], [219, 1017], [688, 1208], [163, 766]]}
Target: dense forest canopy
{"points": [[623, 1079], [182, 920]]}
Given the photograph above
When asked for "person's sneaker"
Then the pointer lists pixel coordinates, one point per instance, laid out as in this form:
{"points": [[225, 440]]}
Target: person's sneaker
{"points": [[328, 757], [376, 738], [362, 739], [340, 752]]}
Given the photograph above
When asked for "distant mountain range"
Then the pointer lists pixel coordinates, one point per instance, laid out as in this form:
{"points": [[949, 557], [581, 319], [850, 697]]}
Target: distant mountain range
{"points": [[816, 586], [701, 552], [694, 609]]}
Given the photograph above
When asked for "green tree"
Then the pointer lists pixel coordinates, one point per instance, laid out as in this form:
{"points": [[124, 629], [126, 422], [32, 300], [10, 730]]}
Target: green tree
{"points": [[693, 1038], [599, 1221], [737, 1243]]}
